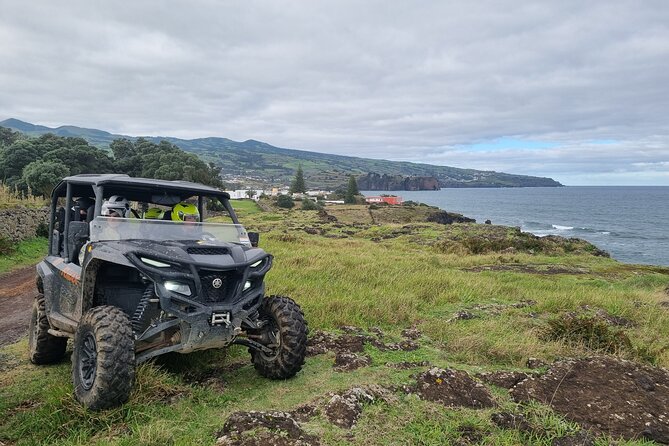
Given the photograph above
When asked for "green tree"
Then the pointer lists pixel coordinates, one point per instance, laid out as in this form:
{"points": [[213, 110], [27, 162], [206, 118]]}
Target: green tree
{"points": [[165, 161], [42, 176], [298, 186], [8, 136], [15, 158], [351, 190], [82, 158], [285, 201]]}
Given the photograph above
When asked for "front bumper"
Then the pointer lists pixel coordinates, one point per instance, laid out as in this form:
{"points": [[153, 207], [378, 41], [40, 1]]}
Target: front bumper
{"points": [[212, 316]]}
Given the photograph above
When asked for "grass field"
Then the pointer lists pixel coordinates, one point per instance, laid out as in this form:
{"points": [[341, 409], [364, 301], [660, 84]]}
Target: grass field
{"points": [[27, 252], [386, 275]]}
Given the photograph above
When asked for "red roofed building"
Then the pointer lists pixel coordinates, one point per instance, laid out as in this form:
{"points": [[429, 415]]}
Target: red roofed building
{"points": [[389, 200]]}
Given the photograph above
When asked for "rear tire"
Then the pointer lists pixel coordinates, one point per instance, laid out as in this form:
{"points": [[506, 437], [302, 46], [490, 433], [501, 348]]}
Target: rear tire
{"points": [[287, 325], [44, 347], [103, 359]]}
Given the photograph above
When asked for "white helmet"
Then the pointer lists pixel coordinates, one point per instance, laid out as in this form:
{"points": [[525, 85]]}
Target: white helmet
{"points": [[117, 204]]}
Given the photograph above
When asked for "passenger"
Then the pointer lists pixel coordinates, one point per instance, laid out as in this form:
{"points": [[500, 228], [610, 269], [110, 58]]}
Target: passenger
{"points": [[154, 214], [116, 206], [84, 203]]}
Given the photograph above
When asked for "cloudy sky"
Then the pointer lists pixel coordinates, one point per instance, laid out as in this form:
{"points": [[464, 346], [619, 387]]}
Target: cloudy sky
{"points": [[578, 91]]}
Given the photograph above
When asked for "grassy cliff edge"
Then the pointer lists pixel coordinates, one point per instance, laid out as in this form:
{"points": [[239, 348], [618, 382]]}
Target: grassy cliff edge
{"points": [[396, 305]]}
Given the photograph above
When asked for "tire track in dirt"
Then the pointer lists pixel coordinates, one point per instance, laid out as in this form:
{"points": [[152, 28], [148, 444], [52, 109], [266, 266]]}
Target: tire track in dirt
{"points": [[17, 291]]}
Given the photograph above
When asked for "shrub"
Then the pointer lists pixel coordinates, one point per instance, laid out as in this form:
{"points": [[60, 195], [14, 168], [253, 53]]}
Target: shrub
{"points": [[591, 332], [285, 201], [310, 205], [7, 246], [42, 230]]}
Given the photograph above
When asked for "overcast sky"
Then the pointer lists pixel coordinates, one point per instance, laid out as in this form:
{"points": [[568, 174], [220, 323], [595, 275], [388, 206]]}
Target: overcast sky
{"points": [[578, 91]]}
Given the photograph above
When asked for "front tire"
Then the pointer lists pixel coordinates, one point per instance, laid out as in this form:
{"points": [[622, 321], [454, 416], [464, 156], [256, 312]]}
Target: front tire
{"points": [[44, 347], [103, 358], [287, 330]]}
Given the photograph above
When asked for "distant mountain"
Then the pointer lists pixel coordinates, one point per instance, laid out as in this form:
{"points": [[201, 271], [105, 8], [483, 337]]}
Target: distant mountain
{"points": [[255, 163]]}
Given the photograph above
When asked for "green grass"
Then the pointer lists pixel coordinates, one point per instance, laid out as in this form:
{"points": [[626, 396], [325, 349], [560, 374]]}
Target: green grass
{"points": [[390, 276], [244, 208], [27, 252]]}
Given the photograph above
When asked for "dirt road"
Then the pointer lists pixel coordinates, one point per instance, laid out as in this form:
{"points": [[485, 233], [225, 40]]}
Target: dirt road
{"points": [[17, 291]]}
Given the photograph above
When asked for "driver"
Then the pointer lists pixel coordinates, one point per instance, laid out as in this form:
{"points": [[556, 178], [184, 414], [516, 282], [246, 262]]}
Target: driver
{"points": [[185, 212], [188, 214]]}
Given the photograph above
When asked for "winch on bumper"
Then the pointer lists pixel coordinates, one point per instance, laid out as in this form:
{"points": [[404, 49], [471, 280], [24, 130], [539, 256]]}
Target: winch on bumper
{"points": [[201, 305]]}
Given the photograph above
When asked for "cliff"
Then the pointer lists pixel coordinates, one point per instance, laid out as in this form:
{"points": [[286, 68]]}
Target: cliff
{"points": [[374, 181]]}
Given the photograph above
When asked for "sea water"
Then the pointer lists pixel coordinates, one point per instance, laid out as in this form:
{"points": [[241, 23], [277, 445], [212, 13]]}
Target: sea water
{"points": [[629, 222]]}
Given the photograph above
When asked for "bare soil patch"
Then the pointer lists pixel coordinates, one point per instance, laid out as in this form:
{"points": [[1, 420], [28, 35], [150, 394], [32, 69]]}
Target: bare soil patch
{"points": [[607, 395], [16, 299], [263, 428], [452, 388], [504, 379]]}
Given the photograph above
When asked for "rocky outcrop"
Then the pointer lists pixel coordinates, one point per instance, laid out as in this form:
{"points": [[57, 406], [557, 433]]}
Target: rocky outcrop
{"points": [[375, 181], [447, 218]]}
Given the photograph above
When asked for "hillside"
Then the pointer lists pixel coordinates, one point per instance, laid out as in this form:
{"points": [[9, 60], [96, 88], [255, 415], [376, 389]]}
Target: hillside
{"points": [[420, 333], [257, 163]]}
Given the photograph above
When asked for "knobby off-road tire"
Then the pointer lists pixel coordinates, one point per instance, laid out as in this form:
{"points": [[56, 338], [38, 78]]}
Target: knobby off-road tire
{"points": [[103, 359], [44, 348], [286, 318]]}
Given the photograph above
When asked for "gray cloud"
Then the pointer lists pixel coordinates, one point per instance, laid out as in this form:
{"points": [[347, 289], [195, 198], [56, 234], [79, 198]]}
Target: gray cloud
{"points": [[417, 81]]}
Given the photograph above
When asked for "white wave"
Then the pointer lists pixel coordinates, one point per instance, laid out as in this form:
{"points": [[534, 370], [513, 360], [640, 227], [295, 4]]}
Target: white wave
{"points": [[562, 228], [605, 232]]}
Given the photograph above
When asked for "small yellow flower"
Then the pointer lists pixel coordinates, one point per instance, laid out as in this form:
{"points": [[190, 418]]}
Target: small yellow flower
{"points": [[439, 380]]}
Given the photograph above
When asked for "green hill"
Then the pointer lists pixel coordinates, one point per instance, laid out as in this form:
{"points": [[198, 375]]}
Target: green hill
{"points": [[255, 163]]}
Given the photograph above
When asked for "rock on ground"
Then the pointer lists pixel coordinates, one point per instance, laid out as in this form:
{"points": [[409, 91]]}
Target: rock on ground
{"points": [[347, 362], [606, 395], [344, 409], [322, 342]]}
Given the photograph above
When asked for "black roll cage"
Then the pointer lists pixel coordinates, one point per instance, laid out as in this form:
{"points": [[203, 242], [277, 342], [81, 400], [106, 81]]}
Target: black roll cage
{"points": [[133, 189]]}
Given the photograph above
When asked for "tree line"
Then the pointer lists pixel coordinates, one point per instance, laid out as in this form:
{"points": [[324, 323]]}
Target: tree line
{"points": [[36, 164]]}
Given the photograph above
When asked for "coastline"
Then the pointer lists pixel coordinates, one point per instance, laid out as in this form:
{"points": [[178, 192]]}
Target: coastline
{"points": [[628, 222]]}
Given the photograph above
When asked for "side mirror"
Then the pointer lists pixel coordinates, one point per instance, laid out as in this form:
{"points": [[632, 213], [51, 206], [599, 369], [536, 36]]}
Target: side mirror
{"points": [[254, 238]]}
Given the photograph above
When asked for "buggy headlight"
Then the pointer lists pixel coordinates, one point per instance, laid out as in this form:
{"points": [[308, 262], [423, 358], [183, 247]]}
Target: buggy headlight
{"points": [[178, 287], [155, 263], [256, 264], [247, 285]]}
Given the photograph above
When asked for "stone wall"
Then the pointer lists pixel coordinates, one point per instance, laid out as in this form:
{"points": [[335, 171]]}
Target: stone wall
{"points": [[20, 223]]}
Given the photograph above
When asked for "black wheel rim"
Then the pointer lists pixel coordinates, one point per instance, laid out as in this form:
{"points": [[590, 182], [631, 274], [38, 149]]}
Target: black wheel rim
{"points": [[88, 361], [273, 340]]}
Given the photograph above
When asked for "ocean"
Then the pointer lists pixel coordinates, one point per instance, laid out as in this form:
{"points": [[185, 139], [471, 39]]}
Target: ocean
{"points": [[629, 222]]}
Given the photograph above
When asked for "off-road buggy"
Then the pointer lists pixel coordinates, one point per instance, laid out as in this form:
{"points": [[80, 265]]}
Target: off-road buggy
{"points": [[130, 289]]}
